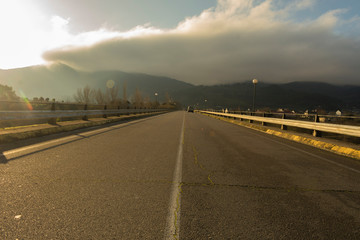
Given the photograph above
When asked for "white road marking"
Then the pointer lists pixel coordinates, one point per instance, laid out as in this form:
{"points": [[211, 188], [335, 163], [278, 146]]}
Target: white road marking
{"points": [[64, 139], [173, 221], [38, 145]]}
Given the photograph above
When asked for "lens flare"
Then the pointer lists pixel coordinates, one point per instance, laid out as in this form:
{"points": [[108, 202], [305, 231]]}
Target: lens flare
{"points": [[26, 100], [110, 83]]}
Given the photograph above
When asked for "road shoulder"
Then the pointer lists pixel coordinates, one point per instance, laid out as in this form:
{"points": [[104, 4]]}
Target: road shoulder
{"points": [[335, 146]]}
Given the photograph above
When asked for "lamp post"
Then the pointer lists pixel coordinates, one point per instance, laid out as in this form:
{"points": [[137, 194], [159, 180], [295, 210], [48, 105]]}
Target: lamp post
{"points": [[156, 99], [254, 81]]}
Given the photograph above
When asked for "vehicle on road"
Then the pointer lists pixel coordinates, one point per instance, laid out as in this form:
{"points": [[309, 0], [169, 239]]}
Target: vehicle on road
{"points": [[190, 109]]}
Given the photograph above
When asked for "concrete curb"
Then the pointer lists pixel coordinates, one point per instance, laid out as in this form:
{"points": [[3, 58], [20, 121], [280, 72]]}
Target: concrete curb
{"points": [[345, 151], [48, 130]]}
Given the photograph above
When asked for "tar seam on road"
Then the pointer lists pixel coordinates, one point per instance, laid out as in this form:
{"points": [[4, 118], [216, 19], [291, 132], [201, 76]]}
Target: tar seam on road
{"points": [[196, 162], [173, 220], [261, 188]]}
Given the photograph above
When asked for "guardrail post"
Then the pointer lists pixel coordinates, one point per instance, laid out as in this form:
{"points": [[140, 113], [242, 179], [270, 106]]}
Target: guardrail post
{"points": [[85, 117], [283, 127], [241, 119], [235, 118], [105, 108], [263, 123], [52, 120], [251, 121], [316, 133], [53, 107], [118, 111]]}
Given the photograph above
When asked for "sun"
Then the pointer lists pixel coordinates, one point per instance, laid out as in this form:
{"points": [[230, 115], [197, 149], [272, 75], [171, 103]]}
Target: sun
{"points": [[26, 33], [22, 28]]}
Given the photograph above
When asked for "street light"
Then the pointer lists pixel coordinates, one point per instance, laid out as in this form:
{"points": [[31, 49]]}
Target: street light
{"points": [[254, 81], [156, 99]]}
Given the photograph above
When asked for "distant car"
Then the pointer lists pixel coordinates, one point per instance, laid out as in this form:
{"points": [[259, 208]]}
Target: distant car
{"points": [[190, 109]]}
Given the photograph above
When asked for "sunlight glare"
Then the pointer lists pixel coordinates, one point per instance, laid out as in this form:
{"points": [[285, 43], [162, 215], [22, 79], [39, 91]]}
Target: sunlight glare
{"points": [[26, 33], [21, 34]]}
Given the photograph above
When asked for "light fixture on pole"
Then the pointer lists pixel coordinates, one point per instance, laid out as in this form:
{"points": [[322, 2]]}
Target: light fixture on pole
{"points": [[156, 99], [254, 81]]}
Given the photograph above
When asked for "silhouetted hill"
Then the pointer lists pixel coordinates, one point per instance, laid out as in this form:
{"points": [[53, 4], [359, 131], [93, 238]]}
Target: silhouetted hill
{"points": [[297, 96], [347, 94], [61, 82]]}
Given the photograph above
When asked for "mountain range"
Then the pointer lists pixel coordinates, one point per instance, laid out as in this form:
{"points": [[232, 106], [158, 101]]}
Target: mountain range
{"points": [[61, 82]]}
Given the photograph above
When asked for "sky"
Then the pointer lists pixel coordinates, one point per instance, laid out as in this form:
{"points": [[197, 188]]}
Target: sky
{"points": [[200, 42]]}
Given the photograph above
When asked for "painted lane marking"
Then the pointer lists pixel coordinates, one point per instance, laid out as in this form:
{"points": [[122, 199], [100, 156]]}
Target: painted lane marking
{"points": [[67, 139], [173, 221]]}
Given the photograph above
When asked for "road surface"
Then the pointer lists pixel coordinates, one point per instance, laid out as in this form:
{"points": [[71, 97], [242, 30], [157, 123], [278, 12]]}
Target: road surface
{"points": [[176, 176]]}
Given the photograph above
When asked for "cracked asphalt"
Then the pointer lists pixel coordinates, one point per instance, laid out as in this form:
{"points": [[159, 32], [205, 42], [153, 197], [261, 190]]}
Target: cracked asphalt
{"points": [[115, 182]]}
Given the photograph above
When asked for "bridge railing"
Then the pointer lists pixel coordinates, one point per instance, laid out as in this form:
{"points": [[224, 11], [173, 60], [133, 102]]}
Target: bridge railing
{"points": [[17, 113], [342, 119], [316, 126]]}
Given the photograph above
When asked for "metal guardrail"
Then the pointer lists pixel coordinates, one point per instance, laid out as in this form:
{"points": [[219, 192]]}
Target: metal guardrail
{"points": [[12, 112], [310, 117], [39, 114], [315, 126]]}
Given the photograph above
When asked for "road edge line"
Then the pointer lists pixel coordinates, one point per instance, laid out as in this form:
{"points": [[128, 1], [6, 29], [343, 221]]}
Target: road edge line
{"points": [[13, 137]]}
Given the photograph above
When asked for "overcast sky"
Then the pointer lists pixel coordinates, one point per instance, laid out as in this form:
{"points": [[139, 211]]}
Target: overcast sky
{"points": [[201, 42]]}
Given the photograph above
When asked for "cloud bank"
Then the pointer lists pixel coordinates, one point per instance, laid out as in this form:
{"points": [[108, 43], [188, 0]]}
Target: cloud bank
{"points": [[26, 32], [236, 41]]}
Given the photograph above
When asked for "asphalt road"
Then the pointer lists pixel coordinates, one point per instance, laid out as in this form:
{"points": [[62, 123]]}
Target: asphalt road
{"points": [[176, 176]]}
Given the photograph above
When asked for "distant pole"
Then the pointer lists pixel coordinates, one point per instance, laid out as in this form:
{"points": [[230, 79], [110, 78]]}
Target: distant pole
{"points": [[254, 81], [156, 99]]}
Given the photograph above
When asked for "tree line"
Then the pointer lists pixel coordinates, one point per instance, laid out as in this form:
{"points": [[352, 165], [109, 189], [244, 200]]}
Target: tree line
{"points": [[88, 95], [111, 96], [7, 93]]}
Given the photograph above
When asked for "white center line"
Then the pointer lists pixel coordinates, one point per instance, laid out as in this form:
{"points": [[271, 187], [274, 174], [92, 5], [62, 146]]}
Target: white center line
{"points": [[173, 221]]}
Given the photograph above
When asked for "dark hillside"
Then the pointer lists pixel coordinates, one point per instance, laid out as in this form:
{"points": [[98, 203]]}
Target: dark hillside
{"points": [[61, 82]]}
